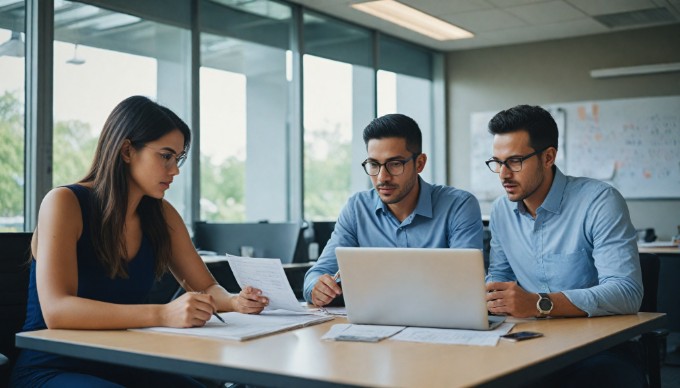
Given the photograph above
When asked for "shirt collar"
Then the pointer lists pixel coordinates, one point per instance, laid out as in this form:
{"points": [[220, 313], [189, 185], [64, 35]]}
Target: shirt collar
{"points": [[553, 200], [423, 206]]}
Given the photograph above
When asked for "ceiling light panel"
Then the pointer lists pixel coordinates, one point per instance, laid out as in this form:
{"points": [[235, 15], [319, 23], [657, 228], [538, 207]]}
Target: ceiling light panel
{"points": [[413, 19]]}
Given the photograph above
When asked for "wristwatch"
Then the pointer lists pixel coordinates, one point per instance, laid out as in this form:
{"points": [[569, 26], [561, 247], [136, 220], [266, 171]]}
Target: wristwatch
{"points": [[544, 304]]}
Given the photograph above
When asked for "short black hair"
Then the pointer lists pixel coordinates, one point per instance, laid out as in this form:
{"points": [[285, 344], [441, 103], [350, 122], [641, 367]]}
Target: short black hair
{"points": [[535, 120], [396, 125]]}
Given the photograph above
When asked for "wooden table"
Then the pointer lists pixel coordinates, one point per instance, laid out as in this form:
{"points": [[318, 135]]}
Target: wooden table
{"points": [[300, 358]]}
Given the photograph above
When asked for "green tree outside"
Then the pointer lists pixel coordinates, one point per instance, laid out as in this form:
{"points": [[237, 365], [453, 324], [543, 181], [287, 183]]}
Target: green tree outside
{"points": [[11, 159], [74, 147], [327, 180], [222, 190]]}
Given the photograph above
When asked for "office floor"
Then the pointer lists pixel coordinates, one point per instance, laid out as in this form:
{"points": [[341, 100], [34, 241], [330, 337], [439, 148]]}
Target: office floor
{"points": [[670, 372]]}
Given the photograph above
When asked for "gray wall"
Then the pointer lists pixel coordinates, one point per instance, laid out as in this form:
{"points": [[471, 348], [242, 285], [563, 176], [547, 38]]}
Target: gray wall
{"points": [[556, 72]]}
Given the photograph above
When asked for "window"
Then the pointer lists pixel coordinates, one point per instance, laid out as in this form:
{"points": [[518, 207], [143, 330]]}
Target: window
{"points": [[12, 133], [338, 104], [282, 106], [405, 86], [245, 108], [100, 58]]}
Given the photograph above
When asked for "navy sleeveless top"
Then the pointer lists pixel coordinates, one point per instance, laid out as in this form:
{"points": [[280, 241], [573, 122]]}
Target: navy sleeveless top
{"points": [[94, 282]]}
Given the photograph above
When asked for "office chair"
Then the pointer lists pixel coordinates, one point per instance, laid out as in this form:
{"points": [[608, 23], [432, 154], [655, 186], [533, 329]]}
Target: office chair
{"points": [[653, 342], [14, 275]]}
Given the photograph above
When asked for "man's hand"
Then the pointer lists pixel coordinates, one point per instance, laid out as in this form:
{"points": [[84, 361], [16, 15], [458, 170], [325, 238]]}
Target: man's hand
{"points": [[507, 298], [325, 290]]}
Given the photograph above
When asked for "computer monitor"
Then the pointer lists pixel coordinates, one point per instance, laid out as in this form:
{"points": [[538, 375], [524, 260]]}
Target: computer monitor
{"points": [[267, 239], [322, 233]]}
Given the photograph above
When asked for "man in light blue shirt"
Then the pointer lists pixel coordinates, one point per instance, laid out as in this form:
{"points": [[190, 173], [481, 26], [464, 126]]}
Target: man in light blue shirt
{"points": [[561, 246], [401, 211]]}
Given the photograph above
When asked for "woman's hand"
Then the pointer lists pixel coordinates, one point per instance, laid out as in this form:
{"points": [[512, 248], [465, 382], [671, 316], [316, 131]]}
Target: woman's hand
{"points": [[189, 310], [249, 301]]}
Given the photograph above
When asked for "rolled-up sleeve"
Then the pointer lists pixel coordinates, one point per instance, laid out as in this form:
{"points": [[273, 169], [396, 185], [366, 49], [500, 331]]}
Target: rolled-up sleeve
{"points": [[616, 258], [344, 235]]}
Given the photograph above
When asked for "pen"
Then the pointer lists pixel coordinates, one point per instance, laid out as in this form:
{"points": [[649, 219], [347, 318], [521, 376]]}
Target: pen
{"points": [[187, 288], [336, 277]]}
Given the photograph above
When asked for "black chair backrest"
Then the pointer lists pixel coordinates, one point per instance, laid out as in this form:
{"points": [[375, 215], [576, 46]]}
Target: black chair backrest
{"points": [[649, 263], [14, 272]]}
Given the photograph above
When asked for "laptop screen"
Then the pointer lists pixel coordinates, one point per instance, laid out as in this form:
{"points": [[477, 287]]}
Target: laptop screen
{"points": [[428, 287]]}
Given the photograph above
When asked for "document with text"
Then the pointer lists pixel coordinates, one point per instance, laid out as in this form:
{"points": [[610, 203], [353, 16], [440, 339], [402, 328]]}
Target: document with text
{"points": [[453, 336], [361, 333], [268, 276], [241, 327]]}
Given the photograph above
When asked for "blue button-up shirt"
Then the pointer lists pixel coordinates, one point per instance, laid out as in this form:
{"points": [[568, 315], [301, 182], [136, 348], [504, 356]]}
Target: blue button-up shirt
{"points": [[581, 243], [444, 217]]}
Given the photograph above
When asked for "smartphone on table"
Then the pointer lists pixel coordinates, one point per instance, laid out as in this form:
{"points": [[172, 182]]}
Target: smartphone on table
{"points": [[521, 336]]}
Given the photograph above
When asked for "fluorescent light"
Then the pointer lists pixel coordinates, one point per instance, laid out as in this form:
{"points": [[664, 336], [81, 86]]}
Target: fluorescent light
{"points": [[76, 60], [14, 47], [635, 70], [414, 20]]}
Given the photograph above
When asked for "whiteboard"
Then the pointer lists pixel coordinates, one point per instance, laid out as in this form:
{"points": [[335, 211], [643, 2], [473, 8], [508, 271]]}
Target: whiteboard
{"points": [[632, 144]]}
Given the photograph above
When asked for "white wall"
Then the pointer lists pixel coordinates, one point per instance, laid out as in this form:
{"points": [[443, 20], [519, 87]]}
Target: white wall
{"points": [[557, 72]]}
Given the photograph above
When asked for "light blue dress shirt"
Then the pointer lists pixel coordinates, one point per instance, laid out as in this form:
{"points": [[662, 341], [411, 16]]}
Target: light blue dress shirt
{"points": [[444, 217], [581, 243]]}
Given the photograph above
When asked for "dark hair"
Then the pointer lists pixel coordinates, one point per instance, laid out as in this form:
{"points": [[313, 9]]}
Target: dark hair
{"points": [[139, 120], [395, 125], [535, 120]]}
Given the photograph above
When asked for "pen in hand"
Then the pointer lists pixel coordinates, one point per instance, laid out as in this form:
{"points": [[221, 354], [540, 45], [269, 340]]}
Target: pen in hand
{"points": [[186, 287], [336, 277]]}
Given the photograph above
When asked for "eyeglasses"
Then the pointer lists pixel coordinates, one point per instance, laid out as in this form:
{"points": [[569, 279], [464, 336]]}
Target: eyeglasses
{"points": [[169, 157], [514, 163], [394, 167]]}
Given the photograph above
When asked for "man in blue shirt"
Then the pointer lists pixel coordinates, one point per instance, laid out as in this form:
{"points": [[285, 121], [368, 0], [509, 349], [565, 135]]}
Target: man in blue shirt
{"points": [[401, 211], [561, 246]]}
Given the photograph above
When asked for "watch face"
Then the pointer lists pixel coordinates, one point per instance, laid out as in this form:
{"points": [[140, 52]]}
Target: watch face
{"points": [[545, 304]]}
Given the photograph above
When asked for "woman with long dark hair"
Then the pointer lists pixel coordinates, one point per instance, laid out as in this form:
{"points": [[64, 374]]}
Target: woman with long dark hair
{"points": [[100, 244]]}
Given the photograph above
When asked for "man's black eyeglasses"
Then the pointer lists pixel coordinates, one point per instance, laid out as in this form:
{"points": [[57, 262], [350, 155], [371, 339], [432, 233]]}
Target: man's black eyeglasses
{"points": [[394, 167], [514, 163]]}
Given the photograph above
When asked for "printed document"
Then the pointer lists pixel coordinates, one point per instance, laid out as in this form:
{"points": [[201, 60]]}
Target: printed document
{"points": [[241, 327], [453, 336], [361, 333], [268, 276]]}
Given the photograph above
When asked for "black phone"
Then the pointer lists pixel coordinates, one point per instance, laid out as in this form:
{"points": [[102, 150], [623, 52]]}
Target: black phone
{"points": [[521, 336]]}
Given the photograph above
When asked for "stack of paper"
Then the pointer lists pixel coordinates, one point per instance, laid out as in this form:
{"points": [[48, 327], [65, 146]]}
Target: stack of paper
{"points": [[361, 333], [283, 313], [241, 327]]}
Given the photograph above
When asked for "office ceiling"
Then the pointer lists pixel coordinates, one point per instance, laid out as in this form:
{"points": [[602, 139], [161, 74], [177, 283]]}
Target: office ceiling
{"points": [[504, 22]]}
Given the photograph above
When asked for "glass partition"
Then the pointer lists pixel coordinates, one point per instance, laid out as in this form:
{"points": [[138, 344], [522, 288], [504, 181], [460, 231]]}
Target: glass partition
{"points": [[405, 86], [100, 58], [12, 103], [244, 80], [338, 103]]}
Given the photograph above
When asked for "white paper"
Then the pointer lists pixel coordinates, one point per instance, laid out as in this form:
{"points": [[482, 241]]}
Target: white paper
{"points": [[340, 311], [453, 336], [246, 326], [361, 333], [268, 276]]}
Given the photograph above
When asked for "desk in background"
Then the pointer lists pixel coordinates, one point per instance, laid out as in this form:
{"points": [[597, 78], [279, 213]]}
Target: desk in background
{"points": [[669, 277], [669, 298], [661, 251], [300, 358]]}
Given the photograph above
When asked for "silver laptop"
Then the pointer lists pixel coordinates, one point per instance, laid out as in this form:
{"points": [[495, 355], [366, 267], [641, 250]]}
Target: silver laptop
{"points": [[427, 287]]}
